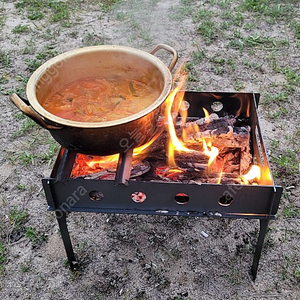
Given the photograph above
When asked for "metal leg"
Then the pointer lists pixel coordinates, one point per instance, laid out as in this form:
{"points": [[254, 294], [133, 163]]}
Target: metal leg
{"points": [[262, 234], [61, 217]]}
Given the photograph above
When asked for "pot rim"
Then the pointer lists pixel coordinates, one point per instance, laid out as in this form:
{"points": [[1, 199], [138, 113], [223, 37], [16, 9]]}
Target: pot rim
{"points": [[37, 74]]}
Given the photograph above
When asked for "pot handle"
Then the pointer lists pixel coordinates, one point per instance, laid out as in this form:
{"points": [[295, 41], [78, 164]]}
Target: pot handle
{"points": [[29, 112], [169, 49]]}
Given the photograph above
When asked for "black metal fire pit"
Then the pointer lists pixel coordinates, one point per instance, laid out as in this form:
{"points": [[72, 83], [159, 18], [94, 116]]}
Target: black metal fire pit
{"points": [[125, 196]]}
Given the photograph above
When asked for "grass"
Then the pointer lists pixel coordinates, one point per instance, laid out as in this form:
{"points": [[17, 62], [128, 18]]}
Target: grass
{"points": [[4, 78], [257, 41], [2, 21], [27, 125], [25, 267], [290, 211], [34, 236], [297, 274], [207, 29], [278, 99], [292, 79], [5, 59], [19, 29], [26, 158], [48, 157], [33, 63], [274, 10], [58, 11], [296, 27], [286, 159], [93, 39], [3, 257], [17, 217], [287, 162], [231, 19], [108, 5]]}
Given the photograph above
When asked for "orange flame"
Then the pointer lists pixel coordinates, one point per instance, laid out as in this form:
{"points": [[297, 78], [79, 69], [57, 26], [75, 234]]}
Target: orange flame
{"points": [[206, 113], [174, 102], [254, 173], [220, 177], [175, 105], [103, 162], [213, 152], [87, 165], [190, 128]]}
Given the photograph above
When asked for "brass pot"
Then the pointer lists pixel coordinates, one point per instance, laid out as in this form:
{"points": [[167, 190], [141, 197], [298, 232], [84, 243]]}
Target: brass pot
{"points": [[99, 138]]}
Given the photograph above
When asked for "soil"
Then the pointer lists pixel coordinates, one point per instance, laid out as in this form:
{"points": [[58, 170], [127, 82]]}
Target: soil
{"points": [[137, 256]]}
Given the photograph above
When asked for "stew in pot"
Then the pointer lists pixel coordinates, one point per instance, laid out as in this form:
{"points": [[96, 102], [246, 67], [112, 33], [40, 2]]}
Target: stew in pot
{"points": [[100, 100]]}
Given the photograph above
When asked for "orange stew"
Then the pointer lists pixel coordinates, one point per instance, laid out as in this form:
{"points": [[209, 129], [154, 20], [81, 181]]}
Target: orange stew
{"points": [[100, 100]]}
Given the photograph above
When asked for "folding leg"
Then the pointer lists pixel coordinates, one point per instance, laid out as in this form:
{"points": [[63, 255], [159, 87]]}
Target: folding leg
{"points": [[262, 234], [61, 217]]}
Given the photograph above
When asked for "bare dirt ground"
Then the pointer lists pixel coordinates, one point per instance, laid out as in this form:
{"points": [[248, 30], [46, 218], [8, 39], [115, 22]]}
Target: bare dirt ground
{"points": [[228, 46]]}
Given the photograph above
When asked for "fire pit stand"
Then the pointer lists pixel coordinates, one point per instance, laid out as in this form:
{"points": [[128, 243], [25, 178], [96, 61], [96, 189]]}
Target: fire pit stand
{"points": [[65, 194]]}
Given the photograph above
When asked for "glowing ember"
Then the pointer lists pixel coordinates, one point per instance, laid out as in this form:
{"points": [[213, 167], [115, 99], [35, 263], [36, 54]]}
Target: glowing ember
{"points": [[166, 172], [172, 172], [254, 173]]}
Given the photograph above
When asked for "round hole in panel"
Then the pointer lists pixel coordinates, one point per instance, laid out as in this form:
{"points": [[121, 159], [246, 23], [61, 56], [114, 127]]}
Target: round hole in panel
{"points": [[225, 200], [181, 198], [184, 105], [217, 106], [138, 197], [96, 195]]}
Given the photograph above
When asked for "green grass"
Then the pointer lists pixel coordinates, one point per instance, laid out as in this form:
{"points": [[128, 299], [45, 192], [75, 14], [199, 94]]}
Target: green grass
{"points": [[5, 59], [27, 125], [296, 27], [272, 10], [239, 85], [55, 11], [279, 99], [2, 21], [32, 64], [202, 14], [26, 158], [292, 78], [17, 217], [49, 156], [93, 39], [20, 186], [25, 267], [19, 29], [60, 12], [190, 66], [108, 5], [286, 160], [205, 26], [207, 29], [46, 53], [3, 257], [297, 274], [4, 78], [290, 211], [257, 41], [232, 19], [34, 236]]}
